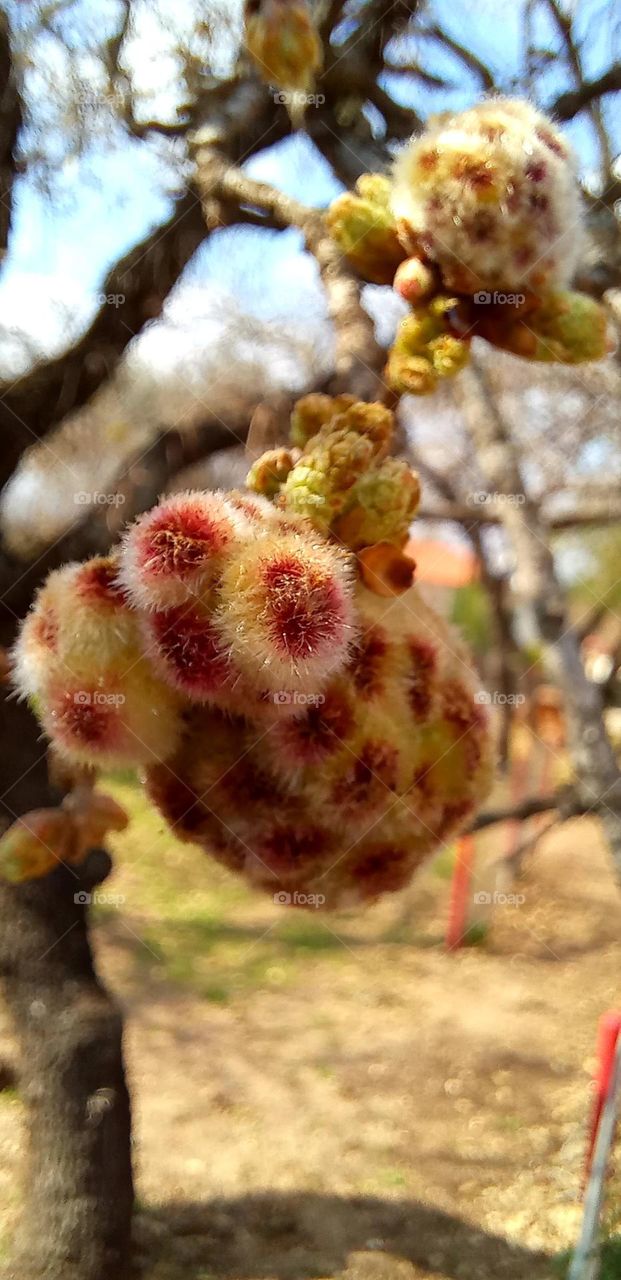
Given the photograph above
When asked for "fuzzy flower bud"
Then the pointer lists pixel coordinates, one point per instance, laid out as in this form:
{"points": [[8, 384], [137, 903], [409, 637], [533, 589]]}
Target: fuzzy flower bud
{"points": [[395, 752], [270, 471], [312, 412], [79, 655], [365, 229], [285, 612], [283, 42], [383, 502], [568, 328], [175, 552], [490, 195]]}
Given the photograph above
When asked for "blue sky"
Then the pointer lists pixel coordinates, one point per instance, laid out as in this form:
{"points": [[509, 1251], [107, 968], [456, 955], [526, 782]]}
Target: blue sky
{"points": [[109, 197]]}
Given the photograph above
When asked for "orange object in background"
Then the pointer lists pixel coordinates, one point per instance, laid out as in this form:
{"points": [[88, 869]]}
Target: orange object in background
{"points": [[442, 564], [460, 893]]}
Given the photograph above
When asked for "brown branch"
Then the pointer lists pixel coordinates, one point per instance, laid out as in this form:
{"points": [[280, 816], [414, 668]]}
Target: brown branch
{"points": [[469, 59], [568, 105], [563, 24], [10, 125], [564, 801], [418, 72], [358, 357], [137, 287], [401, 121]]}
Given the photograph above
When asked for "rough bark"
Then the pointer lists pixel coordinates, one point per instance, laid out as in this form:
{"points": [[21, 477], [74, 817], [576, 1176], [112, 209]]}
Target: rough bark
{"points": [[78, 1185]]}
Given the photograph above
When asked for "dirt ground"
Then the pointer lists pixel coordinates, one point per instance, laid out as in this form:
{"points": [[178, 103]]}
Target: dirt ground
{"points": [[339, 1097]]}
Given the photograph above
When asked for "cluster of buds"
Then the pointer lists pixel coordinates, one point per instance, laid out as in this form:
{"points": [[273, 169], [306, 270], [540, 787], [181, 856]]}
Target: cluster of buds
{"points": [[344, 800], [364, 227], [212, 599], [311, 735], [479, 231], [338, 475]]}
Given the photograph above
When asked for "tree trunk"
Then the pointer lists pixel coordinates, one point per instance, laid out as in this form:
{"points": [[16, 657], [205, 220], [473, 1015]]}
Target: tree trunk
{"points": [[78, 1190]]}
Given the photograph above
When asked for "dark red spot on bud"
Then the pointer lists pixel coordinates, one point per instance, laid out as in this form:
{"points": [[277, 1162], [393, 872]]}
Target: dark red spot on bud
{"points": [[179, 542], [536, 171], [288, 848], [89, 722], [97, 581], [191, 647], [320, 732], [551, 142], [305, 606], [385, 869], [422, 671], [368, 663]]}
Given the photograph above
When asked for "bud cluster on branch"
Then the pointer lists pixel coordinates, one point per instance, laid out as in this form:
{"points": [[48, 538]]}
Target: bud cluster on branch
{"points": [[479, 230], [263, 658]]}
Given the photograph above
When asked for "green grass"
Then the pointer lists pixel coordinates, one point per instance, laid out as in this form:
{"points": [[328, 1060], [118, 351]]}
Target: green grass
{"points": [[199, 925], [610, 1268]]}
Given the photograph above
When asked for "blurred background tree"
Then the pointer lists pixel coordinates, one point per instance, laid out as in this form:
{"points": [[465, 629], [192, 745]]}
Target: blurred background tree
{"points": [[166, 283]]}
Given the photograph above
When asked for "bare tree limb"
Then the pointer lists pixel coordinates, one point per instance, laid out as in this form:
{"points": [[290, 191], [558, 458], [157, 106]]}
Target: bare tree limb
{"points": [[135, 290], [568, 105], [10, 125], [358, 357], [466, 56]]}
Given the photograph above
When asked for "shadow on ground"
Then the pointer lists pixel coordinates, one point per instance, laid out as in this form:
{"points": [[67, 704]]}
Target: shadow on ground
{"points": [[303, 1235]]}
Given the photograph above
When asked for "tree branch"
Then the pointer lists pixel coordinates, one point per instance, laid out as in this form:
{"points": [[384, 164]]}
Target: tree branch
{"points": [[568, 105], [358, 357], [10, 125], [469, 59], [136, 288]]}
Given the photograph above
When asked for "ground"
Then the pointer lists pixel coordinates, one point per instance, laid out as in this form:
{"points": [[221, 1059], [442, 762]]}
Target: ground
{"points": [[339, 1097]]}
